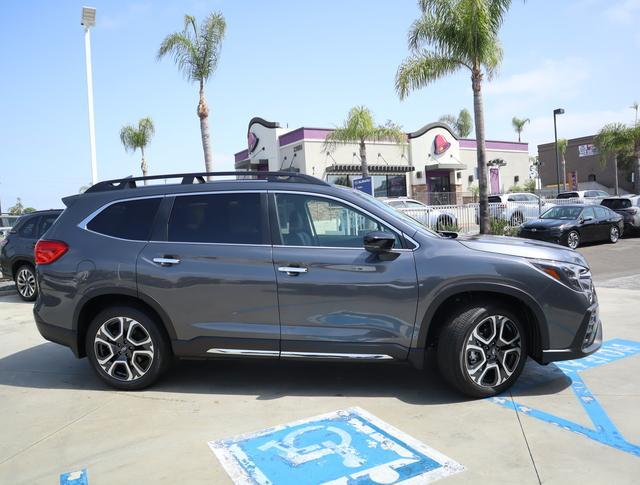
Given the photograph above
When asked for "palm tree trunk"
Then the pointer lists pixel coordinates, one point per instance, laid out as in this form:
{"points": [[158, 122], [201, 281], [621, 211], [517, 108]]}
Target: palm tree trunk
{"points": [[363, 159], [519, 137], [203, 114], [478, 113], [636, 178], [143, 165]]}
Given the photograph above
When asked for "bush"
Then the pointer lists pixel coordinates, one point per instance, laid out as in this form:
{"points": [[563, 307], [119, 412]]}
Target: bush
{"points": [[501, 227]]}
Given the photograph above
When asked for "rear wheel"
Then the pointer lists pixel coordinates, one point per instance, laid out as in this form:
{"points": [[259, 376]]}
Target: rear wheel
{"points": [[482, 350], [573, 239], [127, 348], [614, 234], [26, 284]]}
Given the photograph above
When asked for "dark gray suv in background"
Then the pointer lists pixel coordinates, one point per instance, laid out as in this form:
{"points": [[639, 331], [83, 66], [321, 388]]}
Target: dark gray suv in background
{"points": [[286, 266]]}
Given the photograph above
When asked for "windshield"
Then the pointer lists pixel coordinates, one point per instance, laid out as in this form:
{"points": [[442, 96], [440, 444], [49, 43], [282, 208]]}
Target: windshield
{"points": [[559, 212], [390, 210]]}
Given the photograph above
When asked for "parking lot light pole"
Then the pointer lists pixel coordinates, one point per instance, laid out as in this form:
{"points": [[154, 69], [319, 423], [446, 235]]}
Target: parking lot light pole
{"points": [[89, 20], [556, 112]]}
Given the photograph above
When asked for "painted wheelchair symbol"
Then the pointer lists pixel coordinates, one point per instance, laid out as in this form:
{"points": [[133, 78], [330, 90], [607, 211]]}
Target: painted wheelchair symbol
{"points": [[288, 450]]}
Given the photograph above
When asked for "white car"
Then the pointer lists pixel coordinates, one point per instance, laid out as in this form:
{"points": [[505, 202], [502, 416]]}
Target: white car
{"points": [[584, 196], [516, 207], [431, 216]]}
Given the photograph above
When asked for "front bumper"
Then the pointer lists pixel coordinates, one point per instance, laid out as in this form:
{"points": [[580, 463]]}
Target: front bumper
{"points": [[56, 334], [539, 235], [587, 341]]}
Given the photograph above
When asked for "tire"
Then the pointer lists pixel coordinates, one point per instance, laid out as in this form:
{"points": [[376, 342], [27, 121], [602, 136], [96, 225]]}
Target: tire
{"points": [[480, 369], [26, 283], [573, 239], [517, 219], [614, 234], [146, 356]]}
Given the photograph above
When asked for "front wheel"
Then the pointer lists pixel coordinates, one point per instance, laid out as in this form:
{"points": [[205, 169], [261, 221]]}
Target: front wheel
{"points": [[482, 350], [614, 234], [127, 348], [573, 239]]}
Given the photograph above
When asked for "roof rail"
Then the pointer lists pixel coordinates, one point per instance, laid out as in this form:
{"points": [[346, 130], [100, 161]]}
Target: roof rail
{"points": [[200, 178]]}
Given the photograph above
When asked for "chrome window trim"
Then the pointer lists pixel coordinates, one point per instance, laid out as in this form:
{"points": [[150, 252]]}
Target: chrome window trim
{"points": [[269, 353], [357, 207]]}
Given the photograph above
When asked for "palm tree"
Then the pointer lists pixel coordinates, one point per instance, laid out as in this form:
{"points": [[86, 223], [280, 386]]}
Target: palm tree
{"points": [[196, 52], [133, 138], [635, 106], [449, 36], [518, 125], [623, 144], [562, 149], [462, 125], [359, 127]]}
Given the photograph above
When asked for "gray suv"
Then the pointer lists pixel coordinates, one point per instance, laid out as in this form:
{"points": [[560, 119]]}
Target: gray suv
{"points": [[286, 266]]}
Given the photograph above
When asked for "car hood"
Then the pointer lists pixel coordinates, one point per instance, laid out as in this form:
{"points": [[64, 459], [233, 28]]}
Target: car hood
{"points": [[525, 248], [547, 223]]}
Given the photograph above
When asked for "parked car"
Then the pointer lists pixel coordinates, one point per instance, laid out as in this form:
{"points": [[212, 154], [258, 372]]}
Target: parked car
{"points": [[291, 267], [628, 207], [16, 251], [515, 208], [575, 224], [436, 218], [584, 196], [6, 224]]}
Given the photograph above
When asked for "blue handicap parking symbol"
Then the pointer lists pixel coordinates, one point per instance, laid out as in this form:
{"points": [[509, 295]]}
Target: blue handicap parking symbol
{"points": [[343, 447], [74, 478], [604, 430]]}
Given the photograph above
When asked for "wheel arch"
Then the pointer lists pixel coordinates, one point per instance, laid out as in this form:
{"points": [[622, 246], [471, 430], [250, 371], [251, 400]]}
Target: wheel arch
{"points": [[517, 300], [93, 303], [20, 262]]}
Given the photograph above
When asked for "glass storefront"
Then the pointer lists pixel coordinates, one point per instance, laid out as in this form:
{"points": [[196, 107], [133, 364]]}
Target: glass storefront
{"points": [[383, 185]]}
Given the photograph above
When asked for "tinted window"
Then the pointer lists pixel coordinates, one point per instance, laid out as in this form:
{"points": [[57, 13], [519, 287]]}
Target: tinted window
{"points": [[233, 218], [132, 219], [494, 198], [396, 203], [568, 195], [601, 212], [616, 203], [46, 222], [29, 228], [315, 221], [415, 205], [588, 213], [562, 212]]}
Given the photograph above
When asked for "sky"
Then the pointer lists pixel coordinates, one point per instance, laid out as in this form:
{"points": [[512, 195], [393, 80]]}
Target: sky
{"points": [[299, 63]]}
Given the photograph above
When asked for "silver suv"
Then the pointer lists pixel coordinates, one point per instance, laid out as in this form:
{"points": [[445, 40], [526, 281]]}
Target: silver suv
{"points": [[286, 266]]}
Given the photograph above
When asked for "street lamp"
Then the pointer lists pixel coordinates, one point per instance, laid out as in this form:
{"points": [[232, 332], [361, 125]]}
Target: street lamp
{"points": [[88, 20], [556, 112]]}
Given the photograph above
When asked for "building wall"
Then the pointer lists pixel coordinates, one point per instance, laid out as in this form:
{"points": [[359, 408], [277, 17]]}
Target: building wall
{"points": [[518, 165]]}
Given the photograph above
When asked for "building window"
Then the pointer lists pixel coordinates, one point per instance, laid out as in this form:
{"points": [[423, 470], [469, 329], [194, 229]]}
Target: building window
{"points": [[344, 180], [591, 177], [516, 179], [389, 185]]}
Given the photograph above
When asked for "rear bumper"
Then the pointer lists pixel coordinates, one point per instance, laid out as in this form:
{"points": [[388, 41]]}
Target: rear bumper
{"points": [[587, 341], [56, 334]]}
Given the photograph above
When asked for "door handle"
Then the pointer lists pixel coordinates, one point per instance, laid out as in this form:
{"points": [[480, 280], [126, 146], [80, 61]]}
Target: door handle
{"points": [[292, 270], [166, 261]]}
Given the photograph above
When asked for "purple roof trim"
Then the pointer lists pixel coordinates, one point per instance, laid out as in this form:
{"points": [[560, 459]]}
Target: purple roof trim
{"points": [[496, 145], [243, 155], [302, 133]]}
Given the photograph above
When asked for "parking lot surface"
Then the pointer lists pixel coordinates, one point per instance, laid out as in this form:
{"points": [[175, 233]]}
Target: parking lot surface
{"points": [[573, 423]]}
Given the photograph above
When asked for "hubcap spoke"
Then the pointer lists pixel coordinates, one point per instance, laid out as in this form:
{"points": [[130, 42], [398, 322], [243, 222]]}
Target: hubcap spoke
{"points": [[26, 283], [493, 351], [124, 348]]}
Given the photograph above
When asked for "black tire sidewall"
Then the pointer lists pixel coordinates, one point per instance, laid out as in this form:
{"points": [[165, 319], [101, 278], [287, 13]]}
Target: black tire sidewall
{"points": [[161, 357], [15, 280], [457, 374], [567, 239], [611, 240]]}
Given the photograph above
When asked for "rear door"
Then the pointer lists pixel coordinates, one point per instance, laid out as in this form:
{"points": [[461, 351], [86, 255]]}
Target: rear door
{"points": [[210, 269], [336, 299], [27, 238]]}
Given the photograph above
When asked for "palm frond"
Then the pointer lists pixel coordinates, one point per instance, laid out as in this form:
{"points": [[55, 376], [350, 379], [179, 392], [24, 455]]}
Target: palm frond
{"points": [[422, 69]]}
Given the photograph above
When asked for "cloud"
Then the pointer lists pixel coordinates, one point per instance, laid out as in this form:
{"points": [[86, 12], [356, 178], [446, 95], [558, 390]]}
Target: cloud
{"points": [[623, 11], [553, 79]]}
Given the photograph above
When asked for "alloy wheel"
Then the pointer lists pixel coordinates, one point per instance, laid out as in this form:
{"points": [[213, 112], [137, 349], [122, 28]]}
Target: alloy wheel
{"points": [[614, 234], [123, 349], [493, 351], [573, 239], [26, 283]]}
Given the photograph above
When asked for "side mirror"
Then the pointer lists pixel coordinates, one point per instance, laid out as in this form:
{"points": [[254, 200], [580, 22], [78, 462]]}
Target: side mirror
{"points": [[379, 242]]}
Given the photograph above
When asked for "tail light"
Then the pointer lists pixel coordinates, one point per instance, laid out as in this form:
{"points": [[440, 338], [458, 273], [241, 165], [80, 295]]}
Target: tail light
{"points": [[46, 252]]}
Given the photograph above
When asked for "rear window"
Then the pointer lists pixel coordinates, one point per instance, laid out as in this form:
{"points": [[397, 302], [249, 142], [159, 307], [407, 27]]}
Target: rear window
{"points": [[131, 219], [616, 203], [494, 198], [568, 195], [233, 218]]}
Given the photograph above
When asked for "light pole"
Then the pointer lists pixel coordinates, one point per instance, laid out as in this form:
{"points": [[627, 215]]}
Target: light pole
{"points": [[89, 20], [556, 112]]}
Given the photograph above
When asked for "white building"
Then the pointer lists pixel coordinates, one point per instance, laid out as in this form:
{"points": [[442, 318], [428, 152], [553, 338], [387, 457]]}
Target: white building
{"points": [[433, 165]]}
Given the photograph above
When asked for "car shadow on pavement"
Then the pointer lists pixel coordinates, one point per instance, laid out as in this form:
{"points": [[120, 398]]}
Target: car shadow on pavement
{"points": [[50, 366]]}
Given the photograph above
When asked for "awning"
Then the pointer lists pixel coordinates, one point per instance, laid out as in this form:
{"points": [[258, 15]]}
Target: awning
{"points": [[445, 166], [356, 168]]}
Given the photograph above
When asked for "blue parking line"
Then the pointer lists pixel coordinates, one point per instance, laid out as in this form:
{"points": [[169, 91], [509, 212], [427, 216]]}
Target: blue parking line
{"points": [[75, 478], [604, 431]]}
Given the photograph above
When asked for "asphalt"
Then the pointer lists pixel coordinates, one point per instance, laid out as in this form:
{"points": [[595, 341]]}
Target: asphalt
{"points": [[58, 417]]}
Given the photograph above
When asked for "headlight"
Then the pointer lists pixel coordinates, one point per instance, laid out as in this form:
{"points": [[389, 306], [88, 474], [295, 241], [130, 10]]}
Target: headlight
{"points": [[574, 276]]}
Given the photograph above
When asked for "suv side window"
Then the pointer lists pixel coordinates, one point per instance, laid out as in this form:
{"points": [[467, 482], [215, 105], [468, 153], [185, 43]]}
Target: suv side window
{"points": [[45, 223], [306, 220], [131, 219], [225, 218], [29, 228]]}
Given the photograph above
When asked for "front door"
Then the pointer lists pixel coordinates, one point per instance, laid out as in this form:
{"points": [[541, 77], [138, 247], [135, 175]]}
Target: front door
{"points": [[212, 272], [589, 228], [336, 299]]}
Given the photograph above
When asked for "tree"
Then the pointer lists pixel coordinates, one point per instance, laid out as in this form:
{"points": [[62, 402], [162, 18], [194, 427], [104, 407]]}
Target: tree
{"points": [[133, 138], [196, 52], [18, 209], [359, 127], [562, 150], [518, 125], [451, 35], [530, 185], [635, 106], [621, 142], [462, 125]]}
